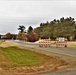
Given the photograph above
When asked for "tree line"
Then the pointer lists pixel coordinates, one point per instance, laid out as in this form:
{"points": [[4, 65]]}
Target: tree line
{"points": [[63, 27], [27, 36]]}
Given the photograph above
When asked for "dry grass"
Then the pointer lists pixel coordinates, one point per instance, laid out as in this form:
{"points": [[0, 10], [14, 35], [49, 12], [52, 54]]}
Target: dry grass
{"points": [[71, 43], [7, 44]]}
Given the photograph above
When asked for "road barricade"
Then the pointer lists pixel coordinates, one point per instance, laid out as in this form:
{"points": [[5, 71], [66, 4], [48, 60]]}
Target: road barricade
{"points": [[61, 42], [44, 42]]}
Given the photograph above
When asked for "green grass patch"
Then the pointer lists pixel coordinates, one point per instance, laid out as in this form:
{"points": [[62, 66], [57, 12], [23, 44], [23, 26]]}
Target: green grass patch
{"points": [[22, 57]]}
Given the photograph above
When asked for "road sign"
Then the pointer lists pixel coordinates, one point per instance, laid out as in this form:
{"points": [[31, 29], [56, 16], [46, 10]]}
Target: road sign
{"points": [[61, 39]]}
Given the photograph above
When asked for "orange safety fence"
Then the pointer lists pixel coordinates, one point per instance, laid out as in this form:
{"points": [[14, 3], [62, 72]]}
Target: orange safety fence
{"points": [[44, 42], [61, 43]]}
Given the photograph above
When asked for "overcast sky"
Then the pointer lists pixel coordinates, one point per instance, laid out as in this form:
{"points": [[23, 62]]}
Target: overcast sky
{"points": [[31, 13]]}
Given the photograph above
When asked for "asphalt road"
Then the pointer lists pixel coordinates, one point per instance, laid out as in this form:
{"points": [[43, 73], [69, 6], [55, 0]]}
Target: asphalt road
{"points": [[70, 51], [61, 50]]}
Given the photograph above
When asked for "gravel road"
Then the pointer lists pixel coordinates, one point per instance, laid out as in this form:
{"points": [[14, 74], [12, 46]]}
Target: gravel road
{"points": [[69, 51]]}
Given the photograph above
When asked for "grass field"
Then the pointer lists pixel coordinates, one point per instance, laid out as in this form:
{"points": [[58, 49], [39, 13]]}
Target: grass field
{"points": [[13, 56]]}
